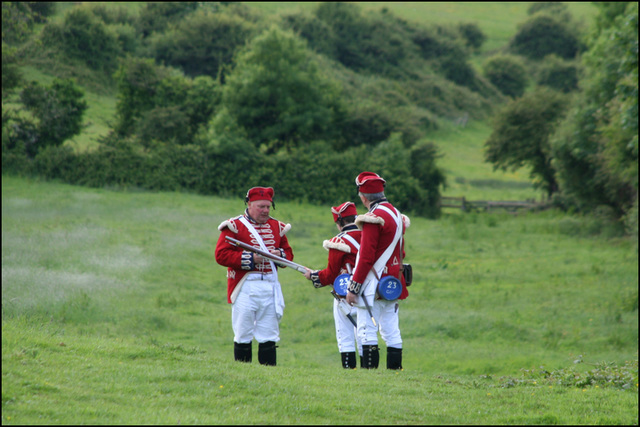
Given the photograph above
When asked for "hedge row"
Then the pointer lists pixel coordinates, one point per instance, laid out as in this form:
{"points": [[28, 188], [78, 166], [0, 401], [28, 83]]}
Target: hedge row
{"points": [[313, 174]]}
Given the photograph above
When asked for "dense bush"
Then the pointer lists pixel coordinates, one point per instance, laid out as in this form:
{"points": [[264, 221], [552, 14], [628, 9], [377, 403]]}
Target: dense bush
{"points": [[278, 95], [203, 43], [522, 136], [83, 36], [558, 74], [158, 103], [596, 147], [508, 73], [543, 35]]}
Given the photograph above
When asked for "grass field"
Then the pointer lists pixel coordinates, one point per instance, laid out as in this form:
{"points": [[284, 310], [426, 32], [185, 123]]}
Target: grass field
{"points": [[114, 312]]}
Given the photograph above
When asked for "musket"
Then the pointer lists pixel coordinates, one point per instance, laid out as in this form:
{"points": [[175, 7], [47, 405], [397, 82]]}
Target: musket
{"points": [[342, 309], [364, 298], [275, 258]]}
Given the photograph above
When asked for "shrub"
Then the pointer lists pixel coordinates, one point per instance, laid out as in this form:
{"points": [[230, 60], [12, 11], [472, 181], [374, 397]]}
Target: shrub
{"points": [[58, 110], [558, 74], [472, 34], [543, 35], [507, 73], [81, 35], [203, 43]]}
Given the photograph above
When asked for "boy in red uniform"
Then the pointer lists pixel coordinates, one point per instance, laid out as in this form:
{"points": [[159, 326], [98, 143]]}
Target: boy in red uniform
{"points": [[381, 254], [343, 249], [252, 280]]}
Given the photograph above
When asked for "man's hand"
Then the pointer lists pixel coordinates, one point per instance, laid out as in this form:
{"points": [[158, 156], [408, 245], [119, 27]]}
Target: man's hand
{"points": [[351, 298], [307, 274]]}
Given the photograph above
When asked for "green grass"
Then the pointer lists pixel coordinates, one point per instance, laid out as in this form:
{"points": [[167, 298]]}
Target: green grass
{"points": [[114, 311]]}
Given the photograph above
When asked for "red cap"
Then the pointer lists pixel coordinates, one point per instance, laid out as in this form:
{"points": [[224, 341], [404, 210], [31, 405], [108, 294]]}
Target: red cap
{"points": [[345, 209], [369, 183], [259, 193]]}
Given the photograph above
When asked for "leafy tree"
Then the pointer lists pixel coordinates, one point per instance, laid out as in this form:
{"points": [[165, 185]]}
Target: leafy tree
{"points": [[83, 36], [543, 35], [57, 112], [17, 22], [596, 147], [203, 43], [558, 74], [508, 73], [472, 34], [156, 16], [159, 104], [278, 95], [137, 81], [521, 136]]}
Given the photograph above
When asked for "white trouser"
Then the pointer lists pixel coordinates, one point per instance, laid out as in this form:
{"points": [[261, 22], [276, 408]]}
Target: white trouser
{"points": [[345, 331], [253, 314], [386, 315]]}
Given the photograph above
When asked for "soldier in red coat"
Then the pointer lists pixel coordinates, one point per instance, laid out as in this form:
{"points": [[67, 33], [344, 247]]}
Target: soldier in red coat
{"points": [[253, 288], [343, 249], [380, 257]]}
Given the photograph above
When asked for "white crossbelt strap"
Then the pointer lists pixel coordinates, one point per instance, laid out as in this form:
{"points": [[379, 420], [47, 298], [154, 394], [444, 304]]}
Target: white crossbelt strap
{"points": [[277, 290], [378, 266], [352, 240]]}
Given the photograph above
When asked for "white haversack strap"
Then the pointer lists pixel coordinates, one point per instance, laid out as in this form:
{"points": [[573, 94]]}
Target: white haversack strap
{"points": [[352, 240]]}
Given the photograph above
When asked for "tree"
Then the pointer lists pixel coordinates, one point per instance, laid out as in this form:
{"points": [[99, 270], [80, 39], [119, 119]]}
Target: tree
{"points": [[543, 35], [278, 95], [57, 112], [596, 147], [521, 133], [203, 43], [508, 73]]}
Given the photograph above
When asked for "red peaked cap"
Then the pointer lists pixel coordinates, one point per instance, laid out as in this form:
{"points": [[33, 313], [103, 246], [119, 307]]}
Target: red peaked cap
{"points": [[369, 183], [259, 193], [344, 210]]}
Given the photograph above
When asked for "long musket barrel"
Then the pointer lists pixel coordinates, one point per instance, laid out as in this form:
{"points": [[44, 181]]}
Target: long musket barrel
{"points": [[275, 258]]}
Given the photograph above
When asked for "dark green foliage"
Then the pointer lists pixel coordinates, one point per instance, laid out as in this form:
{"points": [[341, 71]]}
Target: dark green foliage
{"points": [[472, 34], [543, 35], [558, 74], [17, 22], [521, 135], [156, 16], [83, 36], [157, 104], [202, 43], [423, 166], [597, 145], [11, 75], [508, 73], [555, 8], [57, 111], [278, 95]]}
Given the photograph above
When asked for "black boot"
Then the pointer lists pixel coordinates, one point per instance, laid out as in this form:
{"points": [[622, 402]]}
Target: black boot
{"points": [[394, 358], [370, 356], [267, 353], [242, 352], [349, 360]]}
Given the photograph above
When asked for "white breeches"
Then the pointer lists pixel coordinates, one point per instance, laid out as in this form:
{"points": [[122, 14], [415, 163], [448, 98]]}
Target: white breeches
{"points": [[253, 314], [386, 315], [345, 331]]}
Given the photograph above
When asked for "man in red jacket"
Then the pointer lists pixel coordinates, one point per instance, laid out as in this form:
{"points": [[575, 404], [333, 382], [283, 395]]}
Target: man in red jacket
{"points": [[343, 249], [381, 255], [252, 280]]}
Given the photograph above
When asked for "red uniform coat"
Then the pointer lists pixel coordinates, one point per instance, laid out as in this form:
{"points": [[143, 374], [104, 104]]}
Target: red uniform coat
{"points": [[238, 261], [378, 230], [341, 251]]}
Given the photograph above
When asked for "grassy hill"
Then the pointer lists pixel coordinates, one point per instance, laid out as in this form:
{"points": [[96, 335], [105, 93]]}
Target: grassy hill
{"points": [[462, 147]]}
